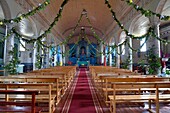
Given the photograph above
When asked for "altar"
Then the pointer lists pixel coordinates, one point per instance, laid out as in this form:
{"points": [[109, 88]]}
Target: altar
{"points": [[82, 54], [83, 63]]}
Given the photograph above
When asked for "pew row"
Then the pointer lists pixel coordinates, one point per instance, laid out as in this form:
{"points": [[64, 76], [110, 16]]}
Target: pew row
{"points": [[20, 95], [156, 97], [50, 95], [106, 84], [66, 73]]}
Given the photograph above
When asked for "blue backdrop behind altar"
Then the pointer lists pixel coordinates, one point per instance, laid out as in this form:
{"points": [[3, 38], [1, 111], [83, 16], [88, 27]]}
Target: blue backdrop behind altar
{"points": [[82, 53]]}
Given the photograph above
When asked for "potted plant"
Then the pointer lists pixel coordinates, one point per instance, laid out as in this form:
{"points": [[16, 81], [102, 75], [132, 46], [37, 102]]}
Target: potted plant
{"points": [[153, 61]]}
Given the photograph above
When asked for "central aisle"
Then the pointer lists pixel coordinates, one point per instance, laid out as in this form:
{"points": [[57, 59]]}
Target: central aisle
{"points": [[81, 96], [82, 100]]}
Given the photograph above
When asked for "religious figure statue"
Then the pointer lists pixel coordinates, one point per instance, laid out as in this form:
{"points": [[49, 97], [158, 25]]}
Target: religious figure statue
{"points": [[83, 55]]}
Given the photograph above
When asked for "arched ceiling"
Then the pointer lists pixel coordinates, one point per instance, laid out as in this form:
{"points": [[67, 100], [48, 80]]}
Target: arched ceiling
{"points": [[1, 13], [25, 27], [140, 26], [97, 11], [166, 9]]}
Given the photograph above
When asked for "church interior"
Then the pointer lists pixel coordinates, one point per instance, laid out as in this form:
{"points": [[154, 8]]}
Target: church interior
{"points": [[89, 56]]}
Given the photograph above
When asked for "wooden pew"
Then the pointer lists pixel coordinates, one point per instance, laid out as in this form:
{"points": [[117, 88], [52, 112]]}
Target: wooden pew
{"points": [[40, 87], [62, 82], [109, 71], [20, 107], [157, 96], [67, 73], [49, 94], [63, 74], [107, 82]]}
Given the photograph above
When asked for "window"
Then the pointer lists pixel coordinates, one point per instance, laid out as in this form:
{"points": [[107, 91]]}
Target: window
{"points": [[122, 39], [1, 46], [143, 42], [123, 49], [22, 43]]}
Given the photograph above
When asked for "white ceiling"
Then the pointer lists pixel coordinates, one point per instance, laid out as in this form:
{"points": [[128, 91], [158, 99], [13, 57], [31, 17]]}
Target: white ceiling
{"points": [[141, 26], [97, 11], [1, 13], [25, 27], [166, 9]]}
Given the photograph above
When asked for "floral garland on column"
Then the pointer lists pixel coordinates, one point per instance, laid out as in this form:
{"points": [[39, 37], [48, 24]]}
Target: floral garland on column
{"points": [[12, 65]]}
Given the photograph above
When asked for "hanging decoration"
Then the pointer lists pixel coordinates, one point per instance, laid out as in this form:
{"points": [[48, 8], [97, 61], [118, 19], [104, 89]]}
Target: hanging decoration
{"points": [[26, 15], [120, 44], [138, 49], [6, 37], [147, 13], [122, 26], [12, 65], [38, 61], [149, 33], [56, 19], [73, 31]]}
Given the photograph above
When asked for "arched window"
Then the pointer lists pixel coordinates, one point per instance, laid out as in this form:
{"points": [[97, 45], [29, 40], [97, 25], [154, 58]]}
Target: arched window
{"points": [[139, 27], [2, 35], [22, 45], [143, 44], [122, 39]]}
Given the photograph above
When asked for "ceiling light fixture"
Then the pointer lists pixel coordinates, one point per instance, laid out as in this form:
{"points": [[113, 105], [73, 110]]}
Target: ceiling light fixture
{"points": [[84, 12]]}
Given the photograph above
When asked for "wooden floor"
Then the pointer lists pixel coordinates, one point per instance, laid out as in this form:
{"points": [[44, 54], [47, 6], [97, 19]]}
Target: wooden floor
{"points": [[121, 107]]}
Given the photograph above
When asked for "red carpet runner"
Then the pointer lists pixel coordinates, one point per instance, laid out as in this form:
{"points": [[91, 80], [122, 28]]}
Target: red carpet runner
{"points": [[81, 96], [82, 101]]}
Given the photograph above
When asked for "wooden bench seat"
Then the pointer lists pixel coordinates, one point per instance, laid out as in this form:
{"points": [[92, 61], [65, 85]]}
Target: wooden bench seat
{"points": [[57, 88], [19, 106], [28, 97], [139, 97], [42, 97], [64, 78], [108, 82], [135, 89], [156, 97], [18, 109]]}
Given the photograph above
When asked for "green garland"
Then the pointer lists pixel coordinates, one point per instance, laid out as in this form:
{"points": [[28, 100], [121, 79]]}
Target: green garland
{"points": [[6, 37], [56, 19], [130, 2], [30, 13], [115, 46], [73, 31], [121, 25], [38, 61], [12, 65], [13, 30], [138, 49], [147, 13]]}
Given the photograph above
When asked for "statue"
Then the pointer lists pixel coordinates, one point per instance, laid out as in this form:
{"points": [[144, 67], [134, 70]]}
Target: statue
{"points": [[82, 55]]}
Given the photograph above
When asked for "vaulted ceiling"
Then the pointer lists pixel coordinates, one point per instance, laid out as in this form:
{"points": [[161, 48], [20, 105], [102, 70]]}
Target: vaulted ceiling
{"points": [[97, 11]]}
